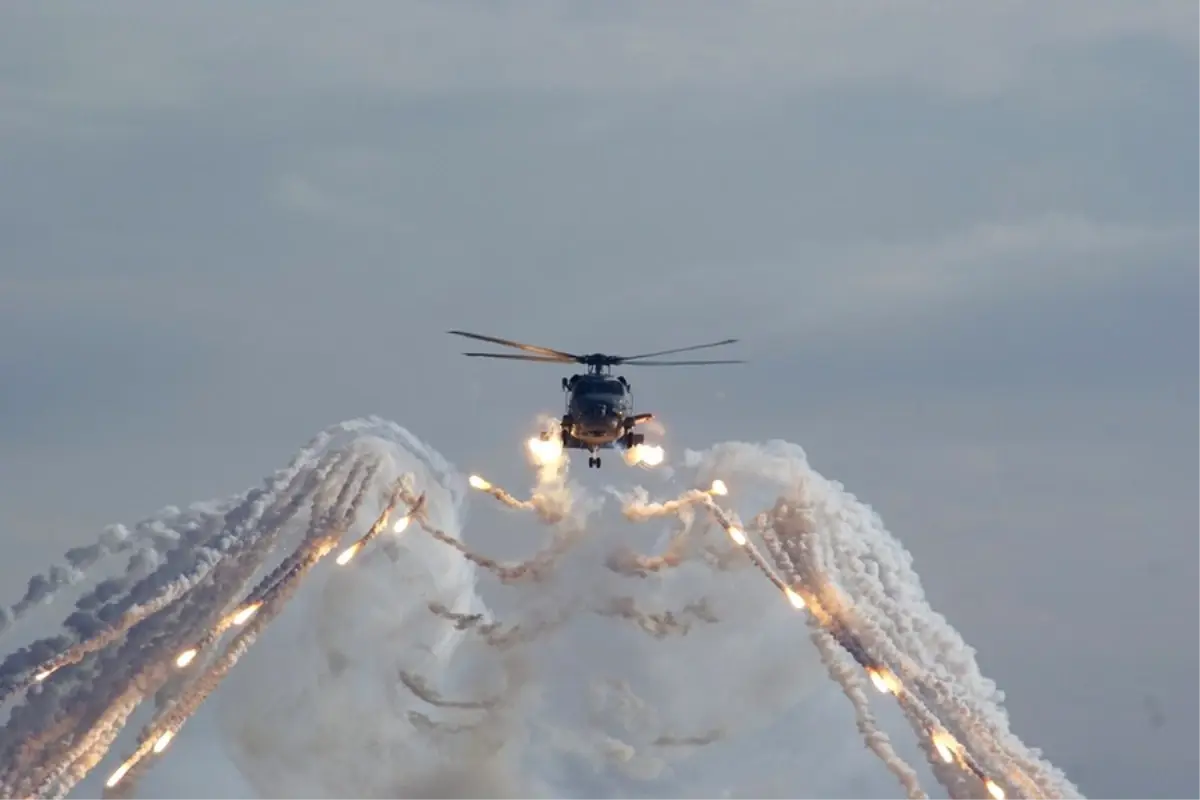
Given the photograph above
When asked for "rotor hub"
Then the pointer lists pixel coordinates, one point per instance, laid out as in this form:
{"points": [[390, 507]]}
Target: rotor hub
{"points": [[601, 360], [596, 361]]}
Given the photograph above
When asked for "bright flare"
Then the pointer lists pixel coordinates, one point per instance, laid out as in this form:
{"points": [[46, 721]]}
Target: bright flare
{"points": [[651, 454], [41, 676], [738, 536], [994, 790], [884, 681], [795, 599], [478, 483], [946, 746], [115, 778], [185, 658], [161, 743], [719, 488], [545, 451], [401, 524], [243, 616], [344, 557]]}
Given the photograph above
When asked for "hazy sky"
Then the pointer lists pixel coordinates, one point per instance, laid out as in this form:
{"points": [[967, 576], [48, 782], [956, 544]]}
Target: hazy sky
{"points": [[958, 241]]}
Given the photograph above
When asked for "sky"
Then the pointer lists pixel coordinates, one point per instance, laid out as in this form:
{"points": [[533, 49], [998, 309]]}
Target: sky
{"points": [[958, 243]]}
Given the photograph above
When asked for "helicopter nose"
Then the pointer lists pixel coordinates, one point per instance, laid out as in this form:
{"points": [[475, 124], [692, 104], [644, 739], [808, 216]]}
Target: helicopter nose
{"points": [[601, 423]]}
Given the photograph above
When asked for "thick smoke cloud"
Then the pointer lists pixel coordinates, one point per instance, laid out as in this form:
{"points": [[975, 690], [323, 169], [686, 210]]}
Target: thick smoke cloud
{"points": [[698, 661]]}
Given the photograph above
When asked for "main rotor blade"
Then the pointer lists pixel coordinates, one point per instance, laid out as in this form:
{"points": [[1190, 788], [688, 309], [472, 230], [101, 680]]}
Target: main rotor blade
{"points": [[517, 357], [679, 350], [681, 363], [529, 348]]}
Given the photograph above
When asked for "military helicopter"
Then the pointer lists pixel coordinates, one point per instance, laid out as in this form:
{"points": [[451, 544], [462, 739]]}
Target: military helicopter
{"points": [[599, 406]]}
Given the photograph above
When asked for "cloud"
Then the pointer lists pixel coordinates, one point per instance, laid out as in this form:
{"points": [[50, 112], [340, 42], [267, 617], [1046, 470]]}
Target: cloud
{"points": [[1041, 250], [877, 288], [958, 243], [226, 51], [77, 381], [873, 198]]}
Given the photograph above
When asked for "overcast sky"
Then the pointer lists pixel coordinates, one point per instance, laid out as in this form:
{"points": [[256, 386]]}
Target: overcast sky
{"points": [[958, 242]]}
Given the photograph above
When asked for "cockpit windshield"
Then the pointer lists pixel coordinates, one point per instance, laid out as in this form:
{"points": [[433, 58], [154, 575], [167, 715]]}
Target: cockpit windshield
{"points": [[604, 387], [600, 396]]}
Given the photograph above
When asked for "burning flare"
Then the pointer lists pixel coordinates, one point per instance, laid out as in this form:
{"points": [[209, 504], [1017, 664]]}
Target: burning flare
{"points": [[884, 680], [161, 742], [946, 746], [344, 557], [649, 454], [243, 615], [115, 778], [545, 452]]}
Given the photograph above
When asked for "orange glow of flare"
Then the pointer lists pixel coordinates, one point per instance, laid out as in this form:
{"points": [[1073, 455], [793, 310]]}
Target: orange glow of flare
{"points": [[46, 673], [243, 616], [794, 598], [185, 658], [719, 488], [738, 535], [884, 681], [545, 451], [120, 772], [161, 743], [650, 454], [946, 746], [478, 483], [994, 789], [344, 557], [401, 524]]}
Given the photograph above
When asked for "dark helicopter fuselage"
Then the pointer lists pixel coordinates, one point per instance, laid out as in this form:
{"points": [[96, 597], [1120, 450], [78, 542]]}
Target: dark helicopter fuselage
{"points": [[599, 410], [599, 413]]}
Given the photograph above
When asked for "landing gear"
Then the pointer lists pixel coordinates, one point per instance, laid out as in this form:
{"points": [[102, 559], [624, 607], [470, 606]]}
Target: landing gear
{"points": [[594, 462]]}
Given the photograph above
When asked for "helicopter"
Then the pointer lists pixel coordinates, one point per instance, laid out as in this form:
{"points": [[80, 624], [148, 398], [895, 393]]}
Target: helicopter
{"points": [[599, 411]]}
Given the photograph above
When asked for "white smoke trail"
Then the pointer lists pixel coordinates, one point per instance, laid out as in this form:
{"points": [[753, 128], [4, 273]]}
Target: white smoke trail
{"points": [[818, 618], [266, 601], [148, 538], [109, 611], [663, 675], [100, 704], [294, 709], [879, 743], [78, 710], [850, 548]]}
